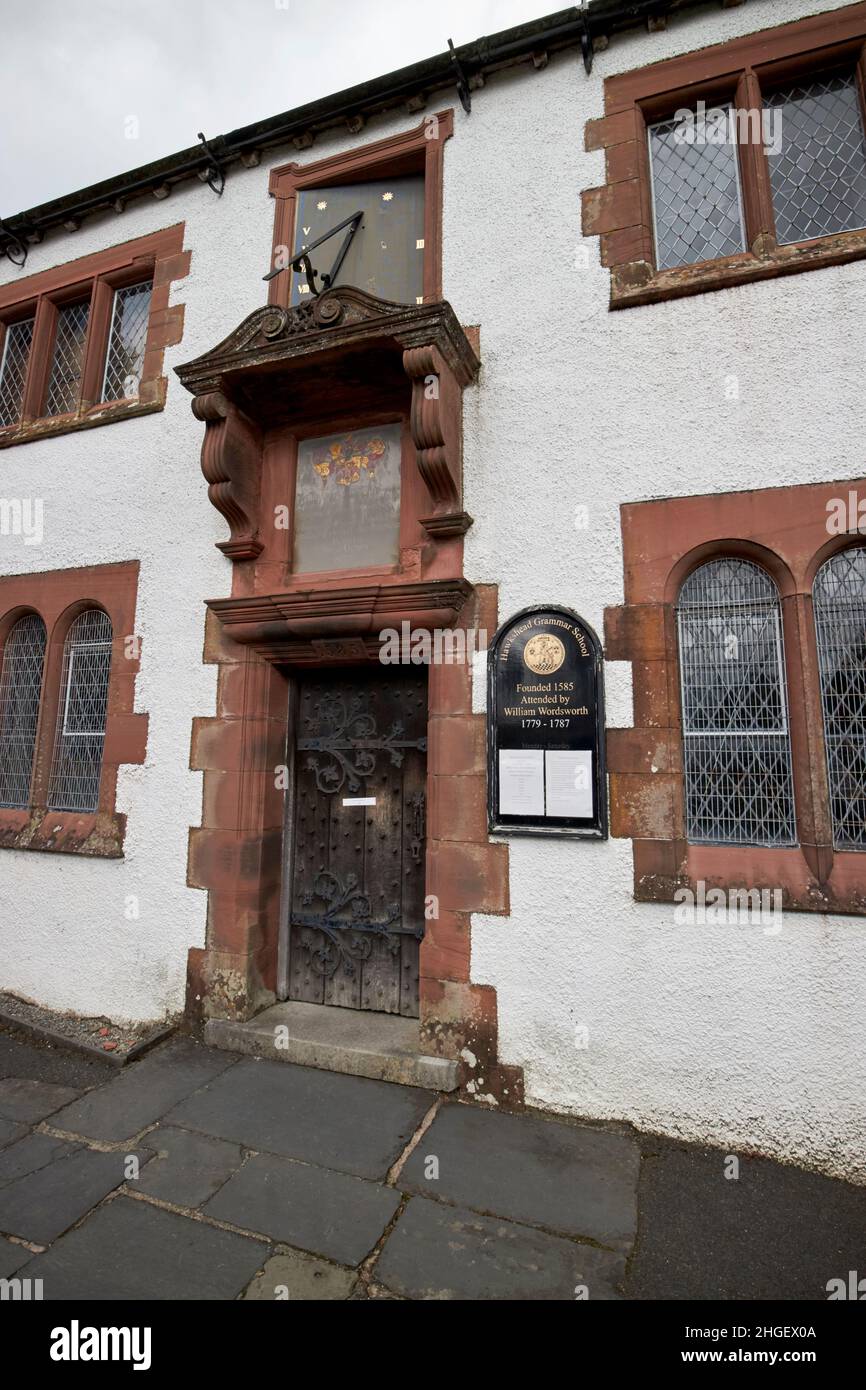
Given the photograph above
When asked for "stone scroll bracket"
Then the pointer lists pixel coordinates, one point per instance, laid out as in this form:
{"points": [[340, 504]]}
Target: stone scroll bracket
{"points": [[231, 463], [435, 424], [279, 351]]}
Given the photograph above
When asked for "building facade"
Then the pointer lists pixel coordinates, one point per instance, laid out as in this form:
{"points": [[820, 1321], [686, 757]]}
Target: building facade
{"points": [[592, 346]]}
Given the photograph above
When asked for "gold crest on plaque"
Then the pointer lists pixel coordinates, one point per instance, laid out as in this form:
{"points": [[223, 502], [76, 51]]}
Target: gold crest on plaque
{"points": [[544, 654]]}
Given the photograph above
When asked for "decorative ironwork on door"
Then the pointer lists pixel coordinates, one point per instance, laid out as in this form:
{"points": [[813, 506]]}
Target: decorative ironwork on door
{"points": [[357, 899]]}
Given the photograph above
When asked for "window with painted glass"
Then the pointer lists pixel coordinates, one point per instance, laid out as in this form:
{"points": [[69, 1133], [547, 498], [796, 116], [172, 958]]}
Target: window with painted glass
{"points": [[347, 500]]}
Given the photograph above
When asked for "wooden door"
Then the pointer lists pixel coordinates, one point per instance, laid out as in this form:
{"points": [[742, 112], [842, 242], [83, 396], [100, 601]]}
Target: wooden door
{"points": [[356, 912]]}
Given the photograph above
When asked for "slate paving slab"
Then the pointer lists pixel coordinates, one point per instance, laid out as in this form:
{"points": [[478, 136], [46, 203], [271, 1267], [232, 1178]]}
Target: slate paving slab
{"points": [[22, 1055], [345, 1122], [140, 1095], [187, 1168], [29, 1101], [580, 1181], [10, 1132], [776, 1232], [12, 1257], [130, 1249], [316, 1209], [773, 1232], [42, 1204], [30, 1154], [301, 1278], [441, 1252]]}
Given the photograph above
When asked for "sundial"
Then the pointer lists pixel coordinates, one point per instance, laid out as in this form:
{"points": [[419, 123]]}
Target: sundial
{"points": [[370, 235], [302, 262]]}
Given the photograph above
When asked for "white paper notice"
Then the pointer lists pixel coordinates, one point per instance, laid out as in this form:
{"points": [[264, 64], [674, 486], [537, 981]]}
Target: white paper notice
{"points": [[359, 801], [521, 782], [569, 782]]}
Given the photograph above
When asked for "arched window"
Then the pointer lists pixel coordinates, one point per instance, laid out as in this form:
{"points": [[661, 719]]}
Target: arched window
{"points": [[736, 743], [80, 736], [20, 690], [839, 596]]}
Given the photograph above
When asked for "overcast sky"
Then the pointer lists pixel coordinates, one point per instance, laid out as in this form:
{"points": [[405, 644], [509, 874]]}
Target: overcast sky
{"points": [[79, 78]]}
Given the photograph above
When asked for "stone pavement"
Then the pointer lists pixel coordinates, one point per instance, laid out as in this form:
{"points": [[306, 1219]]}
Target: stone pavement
{"points": [[197, 1174]]}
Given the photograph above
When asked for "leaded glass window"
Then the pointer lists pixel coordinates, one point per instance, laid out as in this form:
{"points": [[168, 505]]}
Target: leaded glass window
{"points": [[347, 500], [23, 658], [818, 176], [736, 739], [13, 369], [386, 256], [696, 189], [64, 384], [839, 595], [125, 356], [80, 736]]}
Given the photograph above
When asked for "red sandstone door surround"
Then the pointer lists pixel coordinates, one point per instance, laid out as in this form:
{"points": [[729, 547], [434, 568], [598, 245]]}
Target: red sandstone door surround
{"points": [[344, 360]]}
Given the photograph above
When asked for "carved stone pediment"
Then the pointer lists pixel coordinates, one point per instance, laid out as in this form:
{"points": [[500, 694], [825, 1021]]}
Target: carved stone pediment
{"points": [[342, 317], [342, 341]]}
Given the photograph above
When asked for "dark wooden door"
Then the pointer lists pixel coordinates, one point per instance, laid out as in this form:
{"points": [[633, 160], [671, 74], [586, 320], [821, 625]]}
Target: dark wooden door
{"points": [[357, 865]]}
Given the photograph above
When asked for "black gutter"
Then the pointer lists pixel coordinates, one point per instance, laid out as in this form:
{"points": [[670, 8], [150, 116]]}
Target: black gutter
{"points": [[457, 69]]}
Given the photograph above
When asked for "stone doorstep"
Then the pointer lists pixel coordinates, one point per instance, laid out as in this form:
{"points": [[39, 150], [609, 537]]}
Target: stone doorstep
{"points": [[385, 1047]]}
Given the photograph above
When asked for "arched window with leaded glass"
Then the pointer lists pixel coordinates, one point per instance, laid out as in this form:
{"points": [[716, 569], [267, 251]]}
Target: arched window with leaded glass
{"points": [[839, 595], [737, 764], [79, 739], [21, 665]]}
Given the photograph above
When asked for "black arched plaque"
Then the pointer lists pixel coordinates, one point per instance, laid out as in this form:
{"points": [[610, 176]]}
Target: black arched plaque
{"points": [[545, 719]]}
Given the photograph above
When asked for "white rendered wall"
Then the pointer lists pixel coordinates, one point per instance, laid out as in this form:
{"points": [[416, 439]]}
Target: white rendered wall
{"points": [[719, 1034], [716, 1033], [131, 491]]}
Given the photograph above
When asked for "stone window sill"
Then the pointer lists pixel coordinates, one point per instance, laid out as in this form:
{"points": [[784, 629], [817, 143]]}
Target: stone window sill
{"points": [[98, 835], [151, 400], [639, 283], [663, 868]]}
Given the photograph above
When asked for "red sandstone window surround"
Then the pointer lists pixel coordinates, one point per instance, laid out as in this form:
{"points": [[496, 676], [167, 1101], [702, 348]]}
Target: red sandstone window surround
{"points": [[414, 153], [661, 792], [83, 344], [68, 661], [783, 191]]}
